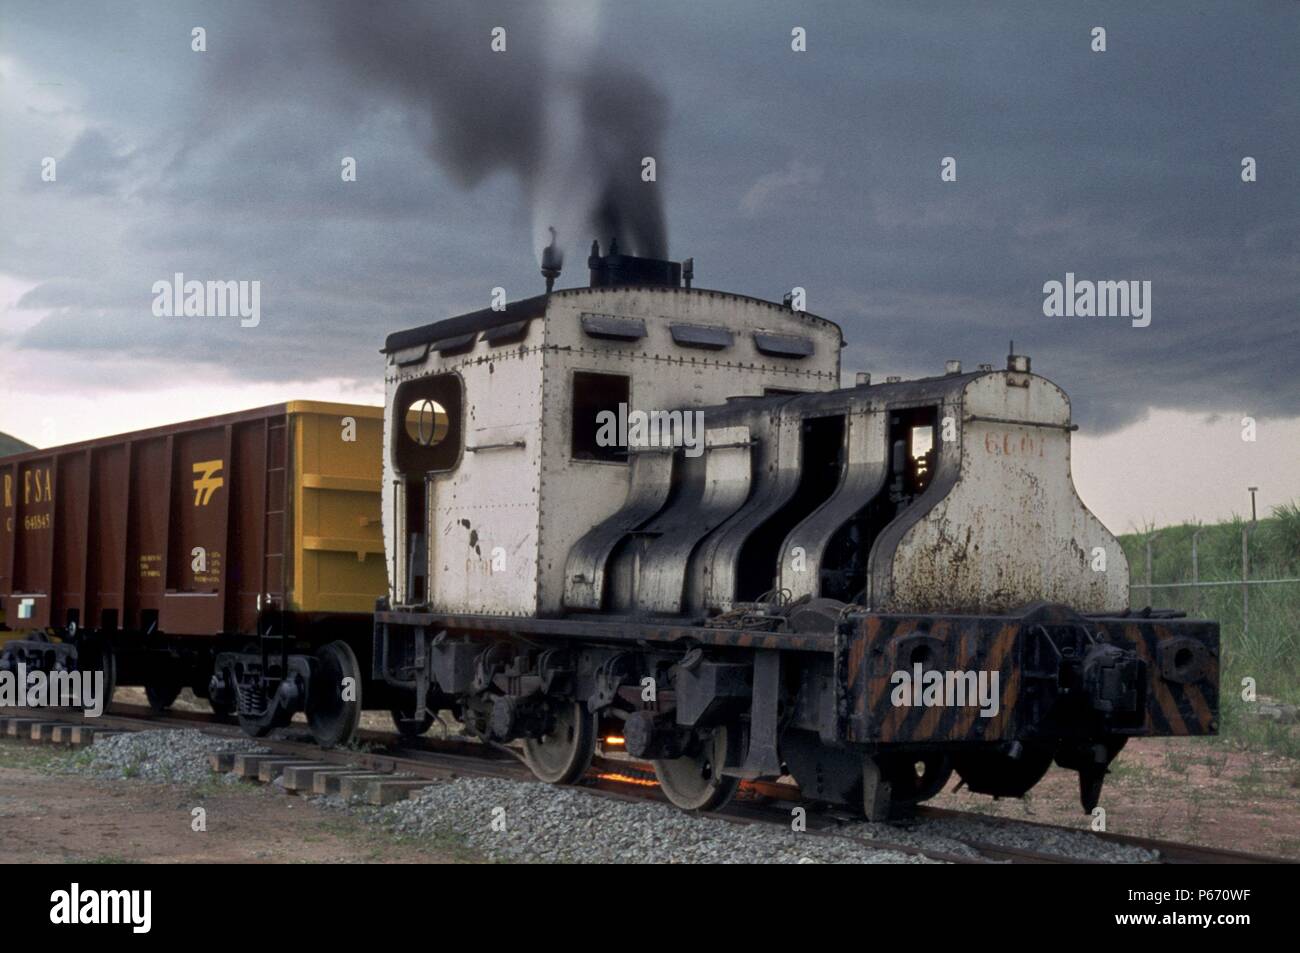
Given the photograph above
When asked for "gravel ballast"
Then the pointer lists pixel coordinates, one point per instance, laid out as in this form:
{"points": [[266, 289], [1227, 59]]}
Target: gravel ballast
{"points": [[170, 756], [544, 824], [1079, 845], [509, 820]]}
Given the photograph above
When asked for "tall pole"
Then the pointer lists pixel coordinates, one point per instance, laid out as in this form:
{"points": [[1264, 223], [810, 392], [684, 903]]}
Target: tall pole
{"points": [[1148, 541], [1245, 581], [1196, 570]]}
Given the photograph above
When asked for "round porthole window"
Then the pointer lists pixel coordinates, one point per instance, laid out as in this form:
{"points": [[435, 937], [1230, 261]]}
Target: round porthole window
{"points": [[426, 422]]}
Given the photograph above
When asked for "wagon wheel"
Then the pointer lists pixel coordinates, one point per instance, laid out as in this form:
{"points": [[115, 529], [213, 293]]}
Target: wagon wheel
{"points": [[333, 718], [696, 782], [563, 754], [162, 695], [101, 659], [409, 726], [221, 709], [250, 727]]}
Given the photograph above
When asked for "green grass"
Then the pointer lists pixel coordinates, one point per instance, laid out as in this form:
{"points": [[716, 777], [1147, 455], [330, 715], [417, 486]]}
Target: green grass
{"points": [[15, 753], [1268, 651]]}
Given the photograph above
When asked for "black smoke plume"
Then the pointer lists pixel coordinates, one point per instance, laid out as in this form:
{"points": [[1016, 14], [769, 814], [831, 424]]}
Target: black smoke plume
{"points": [[571, 128]]}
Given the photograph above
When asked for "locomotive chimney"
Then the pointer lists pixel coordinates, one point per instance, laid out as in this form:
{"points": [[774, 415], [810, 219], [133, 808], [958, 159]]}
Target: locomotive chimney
{"points": [[552, 262], [614, 268]]}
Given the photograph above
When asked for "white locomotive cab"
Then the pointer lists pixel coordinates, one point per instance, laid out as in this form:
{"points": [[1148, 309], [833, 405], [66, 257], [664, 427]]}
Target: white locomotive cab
{"points": [[485, 524]]}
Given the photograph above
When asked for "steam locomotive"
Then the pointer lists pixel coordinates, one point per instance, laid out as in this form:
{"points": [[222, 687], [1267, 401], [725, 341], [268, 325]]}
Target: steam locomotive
{"points": [[646, 510], [866, 588]]}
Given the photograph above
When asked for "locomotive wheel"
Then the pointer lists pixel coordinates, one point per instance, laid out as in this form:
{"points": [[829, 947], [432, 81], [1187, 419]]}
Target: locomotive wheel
{"points": [[916, 778], [1001, 776], [696, 782], [563, 755], [409, 726], [162, 695], [333, 721]]}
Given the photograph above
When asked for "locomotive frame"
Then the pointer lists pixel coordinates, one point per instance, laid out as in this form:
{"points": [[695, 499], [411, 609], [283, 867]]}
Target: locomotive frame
{"points": [[653, 601]]}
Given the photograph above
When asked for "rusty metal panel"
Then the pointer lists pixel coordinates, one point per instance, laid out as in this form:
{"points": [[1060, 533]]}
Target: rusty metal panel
{"points": [[1001, 525], [882, 645], [1179, 692]]}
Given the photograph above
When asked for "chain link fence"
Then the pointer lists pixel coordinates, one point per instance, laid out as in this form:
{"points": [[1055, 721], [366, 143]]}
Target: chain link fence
{"points": [[1243, 576]]}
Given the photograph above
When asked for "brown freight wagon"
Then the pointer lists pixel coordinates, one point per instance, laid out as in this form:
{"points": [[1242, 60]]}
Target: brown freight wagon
{"points": [[239, 553]]}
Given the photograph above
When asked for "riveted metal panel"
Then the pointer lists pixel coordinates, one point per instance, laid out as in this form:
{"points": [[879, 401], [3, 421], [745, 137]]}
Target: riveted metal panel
{"points": [[1001, 525], [481, 515], [577, 494]]}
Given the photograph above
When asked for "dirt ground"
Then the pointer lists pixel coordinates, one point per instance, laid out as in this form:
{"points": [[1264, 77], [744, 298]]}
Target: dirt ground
{"points": [[48, 817], [1190, 790]]}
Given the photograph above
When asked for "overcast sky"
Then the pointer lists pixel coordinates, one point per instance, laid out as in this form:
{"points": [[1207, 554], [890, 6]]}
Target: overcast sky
{"points": [[774, 169]]}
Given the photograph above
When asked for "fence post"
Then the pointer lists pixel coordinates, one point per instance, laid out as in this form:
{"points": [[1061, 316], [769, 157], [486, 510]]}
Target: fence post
{"points": [[1196, 572], [1245, 581], [1148, 541]]}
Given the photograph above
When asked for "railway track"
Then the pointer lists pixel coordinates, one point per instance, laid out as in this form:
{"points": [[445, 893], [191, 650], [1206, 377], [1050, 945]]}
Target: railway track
{"points": [[382, 755]]}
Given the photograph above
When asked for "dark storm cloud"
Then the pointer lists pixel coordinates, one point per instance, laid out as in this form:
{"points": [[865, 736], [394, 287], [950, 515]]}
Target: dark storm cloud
{"points": [[94, 165], [818, 169], [479, 109]]}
